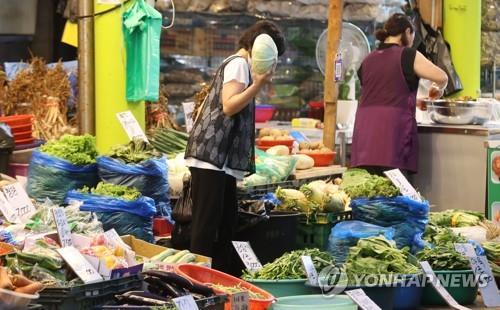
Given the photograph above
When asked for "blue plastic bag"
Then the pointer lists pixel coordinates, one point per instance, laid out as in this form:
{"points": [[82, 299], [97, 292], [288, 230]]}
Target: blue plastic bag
{"points": [[149, 177], [345, 235], [142, 32], [52, 177], [408, 217], [143, 206], [128, 224]]}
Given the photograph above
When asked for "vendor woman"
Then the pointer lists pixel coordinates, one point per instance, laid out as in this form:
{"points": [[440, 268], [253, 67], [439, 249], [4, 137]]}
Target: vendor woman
{"points": [[385, 131], [220, 149]]}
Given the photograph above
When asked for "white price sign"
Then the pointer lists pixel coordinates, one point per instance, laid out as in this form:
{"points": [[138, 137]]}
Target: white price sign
{"points": [[16, 205], [185, 303], [115, 239], [482, 272], [247, 255], [239, 301], [312, 273], [399, 180], [131, 126], [362, 300], [83, 269], [62, 227], [439, 287]]}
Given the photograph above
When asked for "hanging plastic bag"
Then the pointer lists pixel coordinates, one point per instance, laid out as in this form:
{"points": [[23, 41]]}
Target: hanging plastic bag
{"points": [[143, 206], [142, 32], [408, 217], [345, 235], [148, 177], [128, 224], [270, 169], [183, 208], [52, 177]]}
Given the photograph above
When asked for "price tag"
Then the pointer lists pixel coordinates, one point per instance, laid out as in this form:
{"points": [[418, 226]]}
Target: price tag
{"points": [[62, 227], [131, 126], [247, 255], [312, 273], [399, 180], [362, 300], [83, 269], [239, 301], [115, 239], [185, 303], [482, 272], [19, 205], [439, 287]]}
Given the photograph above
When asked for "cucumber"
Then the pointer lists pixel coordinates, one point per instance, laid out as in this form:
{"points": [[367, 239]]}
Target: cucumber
{"points": [[160, 257], [174, 258], [188, 258]]}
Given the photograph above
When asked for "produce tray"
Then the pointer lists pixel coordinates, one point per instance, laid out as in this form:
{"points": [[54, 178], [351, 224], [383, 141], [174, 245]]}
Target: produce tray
{"points": [[210, 303], [87, 296]]}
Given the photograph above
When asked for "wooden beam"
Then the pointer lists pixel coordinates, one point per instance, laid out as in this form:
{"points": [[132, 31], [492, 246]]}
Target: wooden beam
{"points": [[330, 88]]}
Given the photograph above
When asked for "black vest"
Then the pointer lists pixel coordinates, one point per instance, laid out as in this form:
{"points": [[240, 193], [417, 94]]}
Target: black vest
{"points": [[218, 139]]}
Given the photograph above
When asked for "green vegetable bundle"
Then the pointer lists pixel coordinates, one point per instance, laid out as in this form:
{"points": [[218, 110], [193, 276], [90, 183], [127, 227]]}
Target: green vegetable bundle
{"points": [[169, 141], [78, 150], [134, 152], [377, 256], [112, 190], [289, 266], [358, 183], [455, 218], [492, 249]]}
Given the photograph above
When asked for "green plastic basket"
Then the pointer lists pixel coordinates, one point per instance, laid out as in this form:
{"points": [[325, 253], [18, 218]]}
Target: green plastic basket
{"points": [[318, 302], [313, 235], [283, 288], [464, 295]]}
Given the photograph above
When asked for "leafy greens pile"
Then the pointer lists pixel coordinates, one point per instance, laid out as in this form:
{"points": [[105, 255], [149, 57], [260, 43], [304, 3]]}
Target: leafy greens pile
{"points": [[134, 152], [492, 249], [456, 218], [358, 183], [289, 266], [376, 256], [78, 150], [112, 190]]}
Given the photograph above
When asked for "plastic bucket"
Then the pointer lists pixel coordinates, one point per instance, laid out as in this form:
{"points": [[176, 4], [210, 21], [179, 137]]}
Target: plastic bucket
{"points": [[464, 295], [283, 288], [263, 113], [204, 275], [10, 300], [318, 302]]}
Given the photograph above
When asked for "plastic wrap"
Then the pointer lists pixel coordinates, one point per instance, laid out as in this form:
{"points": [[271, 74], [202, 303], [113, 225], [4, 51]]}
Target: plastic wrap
{"points": [[270, 169], [143, 207], [51, 177], [128, 224], [142, 32], [361, 12], [408, 217], [345, 235], [149, 177]]}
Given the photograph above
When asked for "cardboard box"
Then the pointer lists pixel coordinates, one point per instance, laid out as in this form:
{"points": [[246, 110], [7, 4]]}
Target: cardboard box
{"points": [[148, 250]]}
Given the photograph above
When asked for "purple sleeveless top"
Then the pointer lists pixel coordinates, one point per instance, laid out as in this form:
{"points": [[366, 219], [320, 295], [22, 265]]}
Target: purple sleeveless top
{"points": [[385, 131]]}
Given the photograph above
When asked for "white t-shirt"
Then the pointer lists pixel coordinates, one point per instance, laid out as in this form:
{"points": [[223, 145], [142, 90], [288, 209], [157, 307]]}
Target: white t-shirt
{"points": [[236, 70]]}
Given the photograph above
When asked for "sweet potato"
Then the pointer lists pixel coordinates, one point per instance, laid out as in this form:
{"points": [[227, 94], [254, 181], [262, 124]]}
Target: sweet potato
{"points": [[20, 281], [30, 289], [5, 282]]}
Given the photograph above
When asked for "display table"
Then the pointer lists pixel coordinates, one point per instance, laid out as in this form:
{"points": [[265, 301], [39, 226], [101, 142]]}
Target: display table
{"points": [[452, 169], [317, 172]]}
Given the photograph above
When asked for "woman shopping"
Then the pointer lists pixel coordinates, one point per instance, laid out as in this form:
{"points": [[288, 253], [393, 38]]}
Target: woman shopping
{"points": [[220, 149], [385, 131]]}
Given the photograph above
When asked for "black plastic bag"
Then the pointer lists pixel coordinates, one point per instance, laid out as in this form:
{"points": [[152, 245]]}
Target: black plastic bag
{"points": [[128, 224], [182, 212]]}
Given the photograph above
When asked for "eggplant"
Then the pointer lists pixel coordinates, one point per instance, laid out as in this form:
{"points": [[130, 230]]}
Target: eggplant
{"points": [[168, 289], [171, 278], [142, 298]]}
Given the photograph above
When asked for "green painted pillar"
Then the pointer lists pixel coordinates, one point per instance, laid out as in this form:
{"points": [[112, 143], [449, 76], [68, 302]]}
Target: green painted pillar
{"points": [[462, 29], [110, 61]]}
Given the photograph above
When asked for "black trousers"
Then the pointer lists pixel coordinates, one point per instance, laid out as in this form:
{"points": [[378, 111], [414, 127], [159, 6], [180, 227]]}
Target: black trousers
{"points": [[214, 215]]}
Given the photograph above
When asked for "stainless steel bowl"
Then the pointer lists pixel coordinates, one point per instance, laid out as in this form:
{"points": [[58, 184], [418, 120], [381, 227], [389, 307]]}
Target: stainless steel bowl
{"points": [[458, 112]]}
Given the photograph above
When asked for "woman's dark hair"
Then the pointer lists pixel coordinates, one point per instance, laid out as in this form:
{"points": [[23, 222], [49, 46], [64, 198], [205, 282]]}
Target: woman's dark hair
{"points": [[260, 27], [394, 26]]}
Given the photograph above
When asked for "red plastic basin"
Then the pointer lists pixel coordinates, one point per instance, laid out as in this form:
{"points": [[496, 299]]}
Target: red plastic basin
{"points": [[263, 113], [269, 143], [17, 120], [22, 135], [204, 275], [321, 159]]}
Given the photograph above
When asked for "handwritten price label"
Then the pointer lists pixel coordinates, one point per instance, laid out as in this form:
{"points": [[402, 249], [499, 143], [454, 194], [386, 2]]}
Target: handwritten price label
{"points": [[312, 273], [399, 180], [361, 299], [482, 272], [83, 269], [19, 205], [247, 255], [185, 303], [239, 301], [62, 227], [131, 126]]}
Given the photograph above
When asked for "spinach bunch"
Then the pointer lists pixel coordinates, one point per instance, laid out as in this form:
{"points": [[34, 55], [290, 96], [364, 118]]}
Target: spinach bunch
{"points": [[358, 183], [78, 150], [134, 152], [112, 190]]}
